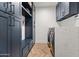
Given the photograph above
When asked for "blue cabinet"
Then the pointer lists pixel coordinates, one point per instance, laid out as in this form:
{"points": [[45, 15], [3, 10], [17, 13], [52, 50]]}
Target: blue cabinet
{"points": [[6, 7], [10, 35], [65, 10], [4, 34], [28, 28], [11, 43], [10, 31], [16, 37], [16, 9], [3, 6]]}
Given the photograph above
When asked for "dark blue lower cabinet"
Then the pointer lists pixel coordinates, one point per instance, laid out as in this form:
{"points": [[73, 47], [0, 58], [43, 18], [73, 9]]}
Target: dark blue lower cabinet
{"points": [[16, 38], [4, 35], [27, 48], [30, 45], [28, 37], [10, 36], [25, 51]]}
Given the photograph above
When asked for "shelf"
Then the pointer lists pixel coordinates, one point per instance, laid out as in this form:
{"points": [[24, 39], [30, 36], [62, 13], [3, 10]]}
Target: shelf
{"points": [[26, 10], [30, 4], [27, 5]]}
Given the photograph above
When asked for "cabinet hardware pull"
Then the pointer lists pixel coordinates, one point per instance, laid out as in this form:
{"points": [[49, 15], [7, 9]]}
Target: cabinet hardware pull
{"points": [[12, 21], [13, 9]]}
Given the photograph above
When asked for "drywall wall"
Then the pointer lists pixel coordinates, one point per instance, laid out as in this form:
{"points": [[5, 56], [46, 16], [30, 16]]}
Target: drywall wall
{"points": [[67, 37], [45, 18], [67, 42]]}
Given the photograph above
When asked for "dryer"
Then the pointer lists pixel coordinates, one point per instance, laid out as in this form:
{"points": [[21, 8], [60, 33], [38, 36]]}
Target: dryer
{"points": [[51, 38]]}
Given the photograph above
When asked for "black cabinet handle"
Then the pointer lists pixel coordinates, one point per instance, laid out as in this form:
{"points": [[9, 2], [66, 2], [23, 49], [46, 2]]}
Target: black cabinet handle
{"points": [[13, 9], [4, 4], [12, 21], [7, 4]]}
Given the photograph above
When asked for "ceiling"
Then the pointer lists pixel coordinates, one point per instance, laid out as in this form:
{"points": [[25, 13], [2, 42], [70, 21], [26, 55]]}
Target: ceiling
{"points": [[45, 4]]}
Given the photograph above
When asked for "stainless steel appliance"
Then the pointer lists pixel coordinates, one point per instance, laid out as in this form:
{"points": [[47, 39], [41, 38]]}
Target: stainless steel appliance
{"points": [[51, 38]]}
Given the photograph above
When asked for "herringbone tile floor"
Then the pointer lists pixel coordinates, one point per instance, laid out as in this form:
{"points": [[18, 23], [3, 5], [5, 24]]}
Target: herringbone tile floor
{"points": [[40, 50]]}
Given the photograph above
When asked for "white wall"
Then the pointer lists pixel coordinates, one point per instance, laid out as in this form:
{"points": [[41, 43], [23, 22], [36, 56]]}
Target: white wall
{"points": [[67, 38], [67, 42], [45, 18], [67, 34]]}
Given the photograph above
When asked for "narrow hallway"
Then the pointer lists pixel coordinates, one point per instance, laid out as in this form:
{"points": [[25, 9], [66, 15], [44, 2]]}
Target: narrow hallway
{"points": [[40, 50]]}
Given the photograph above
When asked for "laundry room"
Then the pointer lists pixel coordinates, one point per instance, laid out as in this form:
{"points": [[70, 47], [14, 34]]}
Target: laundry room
{"points": [[39, 29]]}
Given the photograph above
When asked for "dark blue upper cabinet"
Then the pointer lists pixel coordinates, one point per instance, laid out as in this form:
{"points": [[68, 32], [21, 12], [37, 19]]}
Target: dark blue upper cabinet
{"points": [[3, 6], [16, 9], [6, 7], [73, 8], [65, 10], [12, 8], [57, 11]]}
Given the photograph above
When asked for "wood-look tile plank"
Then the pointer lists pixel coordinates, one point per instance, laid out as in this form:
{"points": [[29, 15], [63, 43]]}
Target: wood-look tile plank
{"points": [[40, 50]]}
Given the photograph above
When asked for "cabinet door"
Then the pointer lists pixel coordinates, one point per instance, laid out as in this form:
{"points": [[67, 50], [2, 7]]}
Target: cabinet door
{"points": [[62, 9], [9, 8], [6, 7], [16, 8], [58, 11], [4, 35], [3, 6], [73, 8], [16, 37], [66, 5]]}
